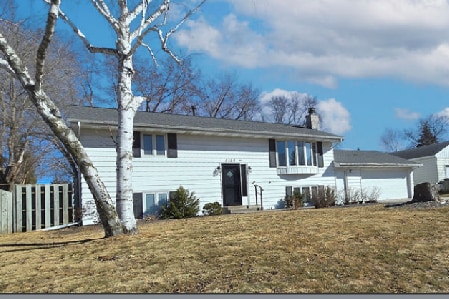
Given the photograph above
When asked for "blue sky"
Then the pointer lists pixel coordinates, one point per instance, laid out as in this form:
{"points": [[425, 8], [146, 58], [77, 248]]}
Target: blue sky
{"points": [[372, 64]]}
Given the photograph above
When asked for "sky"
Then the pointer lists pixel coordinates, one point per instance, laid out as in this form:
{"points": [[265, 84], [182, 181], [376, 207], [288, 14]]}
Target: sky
{"points": [[371, 64]]}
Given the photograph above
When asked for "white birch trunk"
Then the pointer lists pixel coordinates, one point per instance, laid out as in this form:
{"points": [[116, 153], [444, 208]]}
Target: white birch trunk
{"points": [[126, 113]]}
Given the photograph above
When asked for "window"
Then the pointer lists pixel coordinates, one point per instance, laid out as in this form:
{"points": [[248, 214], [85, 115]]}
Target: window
{"points": [[149, 203], [291, 153], [281, 153], [299, 153], [149, 208], [301, 157], [308, 147], [147, 144], [154, 145]]}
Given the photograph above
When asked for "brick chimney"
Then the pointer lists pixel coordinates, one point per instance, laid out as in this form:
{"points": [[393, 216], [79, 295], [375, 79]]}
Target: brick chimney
{"points": [[313, 119]]}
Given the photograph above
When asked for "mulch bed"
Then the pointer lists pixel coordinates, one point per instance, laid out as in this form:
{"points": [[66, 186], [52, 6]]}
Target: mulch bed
{"points": [[419, 205]]}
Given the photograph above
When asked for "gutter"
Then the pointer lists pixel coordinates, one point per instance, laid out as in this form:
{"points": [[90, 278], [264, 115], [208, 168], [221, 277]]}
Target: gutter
{"points": [[380, 165], [217, 131]]}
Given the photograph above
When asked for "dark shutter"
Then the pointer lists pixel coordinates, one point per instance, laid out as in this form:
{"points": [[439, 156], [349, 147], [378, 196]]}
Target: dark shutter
{"points": [[319, 145], [136, 144], [138, 205], [172, 151], [272, 152], [244, 180], [288, 190]]}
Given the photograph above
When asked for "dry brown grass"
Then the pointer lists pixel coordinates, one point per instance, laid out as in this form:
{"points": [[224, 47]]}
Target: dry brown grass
{"points": [[367, 249]]}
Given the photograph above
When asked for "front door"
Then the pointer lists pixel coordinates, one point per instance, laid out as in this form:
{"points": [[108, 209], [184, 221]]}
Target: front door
{"points": [[232, 185]]}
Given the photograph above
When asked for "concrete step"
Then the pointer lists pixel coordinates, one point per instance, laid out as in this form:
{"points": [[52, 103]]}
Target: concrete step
{"points": [[241, 209]]}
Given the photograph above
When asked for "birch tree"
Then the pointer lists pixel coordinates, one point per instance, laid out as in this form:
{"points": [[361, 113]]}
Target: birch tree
{"points": [[27, 148], [132, 24], [50, 113]]}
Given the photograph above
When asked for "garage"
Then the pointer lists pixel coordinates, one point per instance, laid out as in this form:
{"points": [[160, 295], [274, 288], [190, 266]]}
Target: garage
{"points": [[363, 176]]}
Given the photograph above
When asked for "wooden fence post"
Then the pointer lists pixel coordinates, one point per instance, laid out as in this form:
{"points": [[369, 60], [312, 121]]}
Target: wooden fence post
{"points": [[6, 212], [18, 204]]}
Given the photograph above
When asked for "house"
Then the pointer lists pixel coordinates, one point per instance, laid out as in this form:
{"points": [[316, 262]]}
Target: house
{"points": [[366, 175], [236, 163], [239, 164], [435, 161]]}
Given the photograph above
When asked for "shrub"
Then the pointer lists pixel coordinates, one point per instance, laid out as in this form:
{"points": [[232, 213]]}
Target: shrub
{"points": [[212, 209], [181, 205], [294, 201], [324, 197]]}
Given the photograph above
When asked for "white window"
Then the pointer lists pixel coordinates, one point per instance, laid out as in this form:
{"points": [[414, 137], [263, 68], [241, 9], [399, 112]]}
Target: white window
{"points": [[154, 145], [299, 153]]}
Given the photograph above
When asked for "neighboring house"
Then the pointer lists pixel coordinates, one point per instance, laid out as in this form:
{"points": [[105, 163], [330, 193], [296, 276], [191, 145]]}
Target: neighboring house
{"points": [[220, 160], [373, 174], [435, 161]]}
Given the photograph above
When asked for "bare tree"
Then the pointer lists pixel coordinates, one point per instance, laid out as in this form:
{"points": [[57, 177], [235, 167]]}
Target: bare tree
{"points": [[25, 141], [392, 140], [291, 110], [168, 87], [431, 129], [225, 97]]}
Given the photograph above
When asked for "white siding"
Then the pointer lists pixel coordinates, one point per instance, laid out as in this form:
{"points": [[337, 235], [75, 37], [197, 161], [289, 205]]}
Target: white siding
{"points": [[194, 169], [442, 162], [426, 173]]}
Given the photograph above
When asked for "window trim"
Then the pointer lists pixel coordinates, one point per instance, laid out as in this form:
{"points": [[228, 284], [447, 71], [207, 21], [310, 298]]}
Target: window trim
{"points": [[312, 155]]}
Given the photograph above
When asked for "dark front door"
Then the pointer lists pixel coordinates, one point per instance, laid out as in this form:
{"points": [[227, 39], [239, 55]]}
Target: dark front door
{"points": [[232, 185]]}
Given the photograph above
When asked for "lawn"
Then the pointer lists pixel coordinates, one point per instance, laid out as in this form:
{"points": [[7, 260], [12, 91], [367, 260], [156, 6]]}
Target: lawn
{"points": [[362, 249]]}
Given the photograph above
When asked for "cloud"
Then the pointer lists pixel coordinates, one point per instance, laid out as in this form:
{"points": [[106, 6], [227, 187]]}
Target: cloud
{"points": [[443, 113], [335, 118], [403, 113], [330, 39]]}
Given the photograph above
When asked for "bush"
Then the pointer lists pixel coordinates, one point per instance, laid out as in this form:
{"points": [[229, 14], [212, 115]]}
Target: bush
{"points": [[324, 197], [181, 205], [294, 201], [212, 209]]}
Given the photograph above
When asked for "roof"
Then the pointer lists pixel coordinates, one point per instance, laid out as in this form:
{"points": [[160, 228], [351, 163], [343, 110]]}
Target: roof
{"points": [[346, 158], [422, 151], [183, 123]]}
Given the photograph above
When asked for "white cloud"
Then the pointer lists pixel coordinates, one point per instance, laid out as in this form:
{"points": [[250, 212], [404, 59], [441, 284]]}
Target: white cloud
{"points": [[328, 39], [403, 113], [335, 118], [444, 112]]}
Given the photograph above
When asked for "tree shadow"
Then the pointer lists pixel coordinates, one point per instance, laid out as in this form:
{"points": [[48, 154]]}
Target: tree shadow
{"points": [[32, 246]]}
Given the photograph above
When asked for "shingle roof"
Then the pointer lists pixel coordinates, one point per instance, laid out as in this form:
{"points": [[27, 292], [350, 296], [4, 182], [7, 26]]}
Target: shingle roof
{"points": [[422, 151], [107, 116], [369, 158]]}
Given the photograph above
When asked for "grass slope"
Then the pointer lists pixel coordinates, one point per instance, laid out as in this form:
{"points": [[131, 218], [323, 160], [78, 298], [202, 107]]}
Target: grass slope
{"points": [[366, 249]]}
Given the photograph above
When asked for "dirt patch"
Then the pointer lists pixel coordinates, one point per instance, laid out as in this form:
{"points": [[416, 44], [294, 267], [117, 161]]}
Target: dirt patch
{"points": [[419, 205]]}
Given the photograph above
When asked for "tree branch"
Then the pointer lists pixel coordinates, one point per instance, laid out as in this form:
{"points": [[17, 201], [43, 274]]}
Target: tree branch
{"points": [[46, 39], [104, 10], [84, 40], [144, 25]]}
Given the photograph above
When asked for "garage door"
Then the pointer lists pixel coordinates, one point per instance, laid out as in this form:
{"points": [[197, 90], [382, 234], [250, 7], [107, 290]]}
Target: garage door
{"points": [[391, 183]]}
